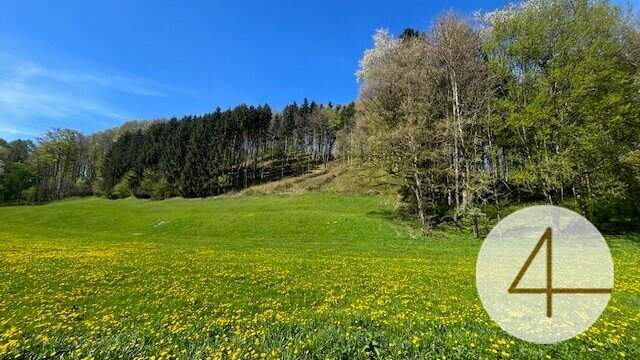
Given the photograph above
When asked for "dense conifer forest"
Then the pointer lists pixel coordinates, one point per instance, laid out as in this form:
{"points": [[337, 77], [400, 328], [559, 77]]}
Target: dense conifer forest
{"points": [[207, 155]]}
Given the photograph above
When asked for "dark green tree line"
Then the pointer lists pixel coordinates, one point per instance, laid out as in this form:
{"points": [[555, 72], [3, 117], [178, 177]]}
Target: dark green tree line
{"points": [[16, 174], [195, 156], [206, 155]]}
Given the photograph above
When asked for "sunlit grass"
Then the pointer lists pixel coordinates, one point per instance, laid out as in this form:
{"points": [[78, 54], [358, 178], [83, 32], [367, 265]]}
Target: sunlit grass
{"points": [[312, 276]]}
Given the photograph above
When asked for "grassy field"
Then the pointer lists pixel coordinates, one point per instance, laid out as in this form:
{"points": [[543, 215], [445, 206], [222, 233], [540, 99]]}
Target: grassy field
{"points": [[310, 276]]}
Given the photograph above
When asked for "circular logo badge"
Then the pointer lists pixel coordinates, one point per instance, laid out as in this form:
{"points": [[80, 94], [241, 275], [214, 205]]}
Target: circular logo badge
{"points": [[544, 274]]}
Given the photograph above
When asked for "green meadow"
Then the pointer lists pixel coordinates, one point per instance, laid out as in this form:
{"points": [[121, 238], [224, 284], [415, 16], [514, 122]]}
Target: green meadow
{"points": [[318, 276]]}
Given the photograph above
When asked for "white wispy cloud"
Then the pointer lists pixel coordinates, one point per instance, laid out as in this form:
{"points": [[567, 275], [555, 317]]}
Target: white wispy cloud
{"points": [[30, 92], [16, 131], [115, 82], [21, 101]]}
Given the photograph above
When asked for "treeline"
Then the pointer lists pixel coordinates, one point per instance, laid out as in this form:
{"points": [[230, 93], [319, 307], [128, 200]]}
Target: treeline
{"points": [[536, 102], [195, 156], [16, 176], [211, 154], [60, 164]]}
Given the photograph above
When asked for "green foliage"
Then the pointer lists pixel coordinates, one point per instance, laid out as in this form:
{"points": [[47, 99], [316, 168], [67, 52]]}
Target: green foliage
{"points": [[121, 190], [540, 104], [15, 179], [196, 156], [30, 195], [569, 113], [20, 150], [200, 156], [409, 33], [16, 175], [61, 165]]}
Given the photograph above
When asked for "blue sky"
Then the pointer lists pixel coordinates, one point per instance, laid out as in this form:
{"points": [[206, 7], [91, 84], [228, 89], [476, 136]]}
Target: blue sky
{"points": [[92, 65]]}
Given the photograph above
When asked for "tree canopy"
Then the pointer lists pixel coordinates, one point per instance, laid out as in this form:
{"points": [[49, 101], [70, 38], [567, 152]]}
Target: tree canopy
{"points": [[535, 102]]}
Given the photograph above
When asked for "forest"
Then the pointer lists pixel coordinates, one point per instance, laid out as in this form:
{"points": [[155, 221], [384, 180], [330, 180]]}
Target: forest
{"points": [[195, 156], [537, 102]]}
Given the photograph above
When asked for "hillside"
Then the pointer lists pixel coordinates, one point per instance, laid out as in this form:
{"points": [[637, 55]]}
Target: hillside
{"points": [[319, 275], [337, 176]]}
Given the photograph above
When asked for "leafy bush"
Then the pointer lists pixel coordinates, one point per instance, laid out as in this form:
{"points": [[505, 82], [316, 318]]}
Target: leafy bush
{"points": [[121, 190]]}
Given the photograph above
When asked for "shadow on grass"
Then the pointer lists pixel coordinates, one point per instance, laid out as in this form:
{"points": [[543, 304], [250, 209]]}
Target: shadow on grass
{"points": [[396, 217], [634, 237], [388, 215], [629, 230]]}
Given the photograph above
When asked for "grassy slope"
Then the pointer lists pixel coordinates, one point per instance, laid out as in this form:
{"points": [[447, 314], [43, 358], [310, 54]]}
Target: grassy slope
{"points": [[318, 275], [337, 177]]}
